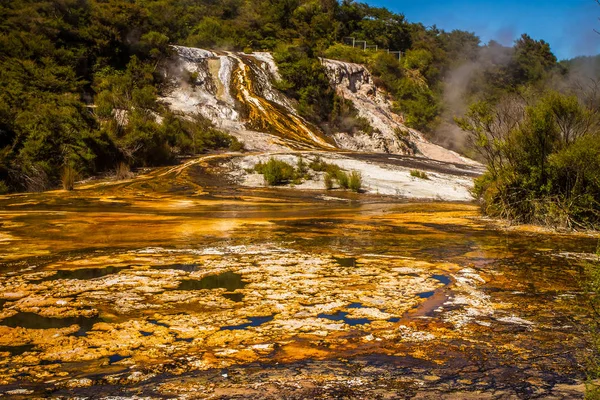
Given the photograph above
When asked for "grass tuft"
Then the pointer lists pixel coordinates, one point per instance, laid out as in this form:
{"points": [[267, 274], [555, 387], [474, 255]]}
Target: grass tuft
{"points": [[419, 174]]}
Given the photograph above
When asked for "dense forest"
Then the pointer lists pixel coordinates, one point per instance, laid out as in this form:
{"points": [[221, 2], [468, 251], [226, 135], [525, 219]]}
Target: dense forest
{"points": [[71, 69]]}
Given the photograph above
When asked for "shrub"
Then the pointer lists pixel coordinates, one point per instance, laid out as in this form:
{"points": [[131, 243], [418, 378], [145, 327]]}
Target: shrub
{"points": [[419, 174], [544, 168], [193, 78], [236, 145], [304, 78], [334, 172], [342, 179], [318, 164], [301, 167], [195, 135], [355, 181], [68, 177], [276, 172], [328, 180], [123, 171], [346, 53]]}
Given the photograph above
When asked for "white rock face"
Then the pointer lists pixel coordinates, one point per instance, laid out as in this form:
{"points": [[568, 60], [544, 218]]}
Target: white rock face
{"points": [[236, 92], [354, 82], [195, 91]]}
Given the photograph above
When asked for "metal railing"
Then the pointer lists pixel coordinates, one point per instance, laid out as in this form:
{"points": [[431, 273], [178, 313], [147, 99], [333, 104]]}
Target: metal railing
{"points": [[363, 45]]}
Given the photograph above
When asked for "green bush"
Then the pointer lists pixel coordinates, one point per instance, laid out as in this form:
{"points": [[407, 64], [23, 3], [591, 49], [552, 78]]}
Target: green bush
{"points": [[355, 181], [342, 179], [344, 118], [235, 144], [343, 52], [305, 79], [276, 172], [301, 167], [318, 165], [334, 173], [545, 170], [419, 174], [328, 181]]}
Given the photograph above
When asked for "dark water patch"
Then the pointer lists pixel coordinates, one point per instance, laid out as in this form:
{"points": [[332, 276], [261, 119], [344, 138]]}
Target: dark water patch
{"points": [[442, 279], [254, 321], [158, 323], [356, 305], [116, 358], [50, 362], [82, 273], [179, 267], [342, 316], [187, 340], [445, 227], [145, 334], [17, 350], [237, 297], [426, 295], [226, 280], [394, 319], [31, 320], [349, 262]]}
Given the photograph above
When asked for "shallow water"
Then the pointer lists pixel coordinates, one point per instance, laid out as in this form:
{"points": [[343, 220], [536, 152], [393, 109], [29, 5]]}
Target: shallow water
{"points": [[30, 320], [137, 288], [83, 273], [226, 280]]}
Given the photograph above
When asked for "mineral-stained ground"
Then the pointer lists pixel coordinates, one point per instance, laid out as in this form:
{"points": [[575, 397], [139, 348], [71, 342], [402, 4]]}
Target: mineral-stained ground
{"points": [[179, 284]]}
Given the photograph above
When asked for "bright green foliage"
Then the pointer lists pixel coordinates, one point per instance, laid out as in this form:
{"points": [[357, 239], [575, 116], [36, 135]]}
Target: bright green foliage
{"points": [[543, 161], [305, 79], [419, 174], [80, 80], [532, 59], [406, 80], [328, 181], [333, 173], [212, 32], [342, 179], [355, 181], [319, 165], [344, 52], [301, 166], [276, 172]]}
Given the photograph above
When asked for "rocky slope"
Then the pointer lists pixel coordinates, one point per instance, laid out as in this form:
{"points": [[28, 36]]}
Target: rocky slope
{"points": [[235, 91]]}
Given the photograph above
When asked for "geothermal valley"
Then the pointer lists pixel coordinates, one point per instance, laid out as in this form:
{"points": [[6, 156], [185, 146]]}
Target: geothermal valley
{"points": [[199, 281]]}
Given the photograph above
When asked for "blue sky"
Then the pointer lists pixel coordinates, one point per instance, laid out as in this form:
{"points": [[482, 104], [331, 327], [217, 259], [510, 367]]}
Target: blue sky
{"points": [[568, 25]]}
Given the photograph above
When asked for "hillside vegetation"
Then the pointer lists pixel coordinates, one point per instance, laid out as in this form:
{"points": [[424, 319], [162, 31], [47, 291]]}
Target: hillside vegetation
{"points": [[81, 80]]}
